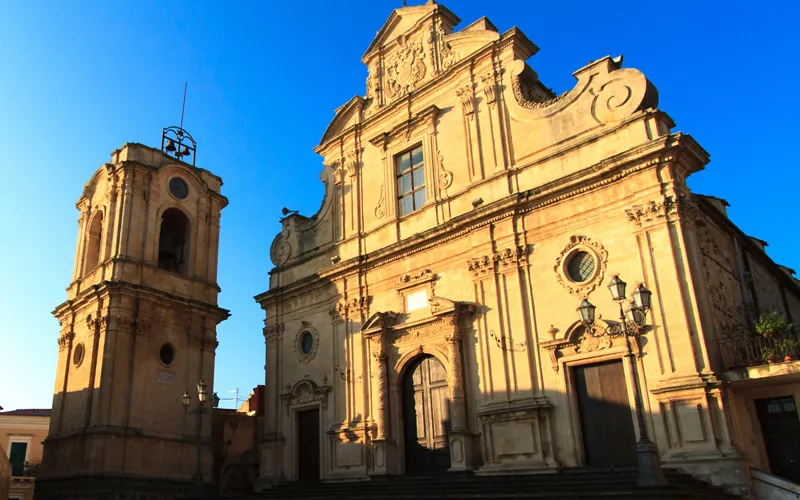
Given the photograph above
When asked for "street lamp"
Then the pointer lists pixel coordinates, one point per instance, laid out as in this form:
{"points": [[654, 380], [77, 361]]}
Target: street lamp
{"points": [[199, 410], [648, 462]]}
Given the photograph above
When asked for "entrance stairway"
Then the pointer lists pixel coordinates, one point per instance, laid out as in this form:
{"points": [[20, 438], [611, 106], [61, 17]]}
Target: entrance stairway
{"points": [[569, 484]]}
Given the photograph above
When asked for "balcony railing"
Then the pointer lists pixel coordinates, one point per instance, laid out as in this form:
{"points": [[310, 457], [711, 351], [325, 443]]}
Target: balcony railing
{"points": [[741, 352]]}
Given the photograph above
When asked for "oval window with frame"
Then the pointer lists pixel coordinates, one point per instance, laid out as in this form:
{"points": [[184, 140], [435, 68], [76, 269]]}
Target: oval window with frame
{"points": [[306, 343]]}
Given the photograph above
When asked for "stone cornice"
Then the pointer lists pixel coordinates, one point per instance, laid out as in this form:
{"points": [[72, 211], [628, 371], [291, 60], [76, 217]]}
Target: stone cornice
{"points": [[104, 288]]}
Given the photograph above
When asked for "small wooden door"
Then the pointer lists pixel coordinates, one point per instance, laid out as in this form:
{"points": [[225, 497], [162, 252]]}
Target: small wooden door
{"points": [[780, 427], [606, 423], [308, 445], [426, 417]]}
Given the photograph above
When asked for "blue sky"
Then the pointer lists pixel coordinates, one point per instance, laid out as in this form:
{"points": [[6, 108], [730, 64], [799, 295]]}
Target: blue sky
{"points": [[79, 79]]}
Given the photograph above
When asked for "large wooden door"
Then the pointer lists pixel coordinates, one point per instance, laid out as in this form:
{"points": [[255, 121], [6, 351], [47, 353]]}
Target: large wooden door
{"points": [[606, 423], [780, 427], [426, 417], [308, 445]]}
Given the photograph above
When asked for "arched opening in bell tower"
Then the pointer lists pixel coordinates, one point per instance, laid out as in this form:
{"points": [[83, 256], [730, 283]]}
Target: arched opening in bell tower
{"points": [[173, 241], [93, 243]]}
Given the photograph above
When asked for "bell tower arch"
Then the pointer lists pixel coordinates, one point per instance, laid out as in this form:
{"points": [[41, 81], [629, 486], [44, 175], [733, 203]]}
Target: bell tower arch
{"points": [[138, 329]]}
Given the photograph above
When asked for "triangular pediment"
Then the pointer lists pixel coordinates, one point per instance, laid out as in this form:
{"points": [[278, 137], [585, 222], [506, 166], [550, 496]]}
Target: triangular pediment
{"points": [[403, 20]]}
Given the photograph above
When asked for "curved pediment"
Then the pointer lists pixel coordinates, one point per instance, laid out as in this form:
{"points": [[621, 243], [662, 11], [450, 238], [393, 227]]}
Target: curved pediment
{"points": [[345, 117]]}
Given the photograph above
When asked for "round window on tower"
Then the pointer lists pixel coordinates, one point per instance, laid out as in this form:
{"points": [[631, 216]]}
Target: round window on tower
{"points": [[178, 188], [77, 355], [581, 266], [167, 354]]}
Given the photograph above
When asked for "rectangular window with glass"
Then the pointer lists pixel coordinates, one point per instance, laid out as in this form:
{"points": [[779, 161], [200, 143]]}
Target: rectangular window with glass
{"points": [[410, 171]]}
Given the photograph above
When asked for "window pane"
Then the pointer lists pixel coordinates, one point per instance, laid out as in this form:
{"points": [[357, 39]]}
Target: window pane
{"points": [[406, 205], [403, 163], [404, 184], [419, 177], [416, 156], [419, 198]]}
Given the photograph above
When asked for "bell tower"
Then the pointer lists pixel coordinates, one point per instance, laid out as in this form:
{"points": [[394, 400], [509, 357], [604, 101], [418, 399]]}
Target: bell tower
{"points": [[138, 329]]}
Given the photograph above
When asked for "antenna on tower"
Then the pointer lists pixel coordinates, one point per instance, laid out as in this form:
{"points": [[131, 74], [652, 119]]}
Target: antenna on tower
{"points": [[183, 107], [178, 142]]}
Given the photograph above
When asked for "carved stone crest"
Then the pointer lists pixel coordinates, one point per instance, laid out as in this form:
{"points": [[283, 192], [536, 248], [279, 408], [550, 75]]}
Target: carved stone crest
{"points": [[406, 67]]}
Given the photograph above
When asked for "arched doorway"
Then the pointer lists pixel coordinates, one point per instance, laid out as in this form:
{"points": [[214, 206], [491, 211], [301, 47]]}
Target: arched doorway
{"points": [[426, 417]]}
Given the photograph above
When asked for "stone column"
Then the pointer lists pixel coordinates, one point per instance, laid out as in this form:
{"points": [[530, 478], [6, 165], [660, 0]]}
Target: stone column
{"points": [[269, 448], [379, 355], [381, 441], [460, 436]]}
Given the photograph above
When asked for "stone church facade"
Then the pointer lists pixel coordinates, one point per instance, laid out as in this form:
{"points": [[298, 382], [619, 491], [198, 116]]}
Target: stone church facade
{"points": [[425, 317]]}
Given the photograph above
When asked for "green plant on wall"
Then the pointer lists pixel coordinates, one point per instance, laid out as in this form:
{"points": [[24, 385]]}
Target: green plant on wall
{"points": [[772, 324]]}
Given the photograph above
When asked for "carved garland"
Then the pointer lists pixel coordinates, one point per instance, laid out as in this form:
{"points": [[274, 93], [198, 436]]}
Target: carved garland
{"points": [[594, 248]]}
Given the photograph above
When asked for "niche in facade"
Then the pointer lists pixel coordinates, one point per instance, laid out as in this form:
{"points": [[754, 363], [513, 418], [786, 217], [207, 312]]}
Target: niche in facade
{"points": [[93, 243]]}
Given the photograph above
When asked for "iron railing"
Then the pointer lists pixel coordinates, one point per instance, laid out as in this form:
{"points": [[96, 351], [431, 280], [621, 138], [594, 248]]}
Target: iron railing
{"points": [[744, 351]]}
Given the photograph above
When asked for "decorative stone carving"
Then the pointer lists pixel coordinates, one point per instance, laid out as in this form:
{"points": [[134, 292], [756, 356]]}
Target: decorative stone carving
{"points": [[380, 208], [406, 67], [358, 305], [467, 99], [652, 211], [600, 255], [447, 56], [504, 258], [425, 274], [306, 357], [489, 87], [505, 343], [445, 176], [64, 340], [306, 392], [280, 251], [273, 333]]}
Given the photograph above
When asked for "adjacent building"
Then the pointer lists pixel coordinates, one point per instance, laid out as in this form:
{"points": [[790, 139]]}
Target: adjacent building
{"points": [[21, 435], [424, 319]]}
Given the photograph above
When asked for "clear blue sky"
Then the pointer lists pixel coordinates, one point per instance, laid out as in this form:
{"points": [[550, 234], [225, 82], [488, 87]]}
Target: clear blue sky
{"points": [[79, 79]]}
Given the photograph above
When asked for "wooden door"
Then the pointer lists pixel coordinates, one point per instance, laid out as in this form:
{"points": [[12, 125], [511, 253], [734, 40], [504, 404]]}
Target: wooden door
{"points": [[426, 417], [780, 427], [308, 445], [606, 423]]}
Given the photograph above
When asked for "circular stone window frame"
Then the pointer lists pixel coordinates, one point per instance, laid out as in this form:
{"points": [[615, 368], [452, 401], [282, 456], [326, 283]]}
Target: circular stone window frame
{"points": [[78, 360], [594, 249], [185, 183], [174, 353], [298, 349]]}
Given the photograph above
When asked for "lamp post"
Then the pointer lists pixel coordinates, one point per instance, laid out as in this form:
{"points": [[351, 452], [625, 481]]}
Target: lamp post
{"points": [[199, 410], [649, 471]]}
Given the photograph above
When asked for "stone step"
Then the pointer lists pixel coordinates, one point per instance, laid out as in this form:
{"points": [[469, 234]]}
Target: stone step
{"points": [[578, 484]]}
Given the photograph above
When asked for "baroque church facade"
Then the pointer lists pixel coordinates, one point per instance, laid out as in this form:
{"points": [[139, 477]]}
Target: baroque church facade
{"points": [[424, 319]]}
